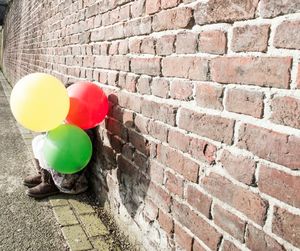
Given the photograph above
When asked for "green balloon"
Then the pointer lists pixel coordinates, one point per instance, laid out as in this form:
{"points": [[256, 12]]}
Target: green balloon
{"points": [[67, 149]]}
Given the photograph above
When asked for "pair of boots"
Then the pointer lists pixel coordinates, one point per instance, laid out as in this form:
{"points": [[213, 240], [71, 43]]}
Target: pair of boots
{"points": [[40, 185]]}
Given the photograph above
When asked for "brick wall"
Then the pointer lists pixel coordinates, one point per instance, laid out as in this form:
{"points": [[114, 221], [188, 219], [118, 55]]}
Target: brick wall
{"points": [[201, 148]]}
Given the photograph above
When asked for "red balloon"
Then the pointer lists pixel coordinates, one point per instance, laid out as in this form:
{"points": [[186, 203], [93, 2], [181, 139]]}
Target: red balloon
{"points": [[88, 105]]}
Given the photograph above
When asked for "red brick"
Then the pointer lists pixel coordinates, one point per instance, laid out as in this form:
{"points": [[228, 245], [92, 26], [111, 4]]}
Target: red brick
{"points": [[141, 161], [182, 238], [181, 89], [152, 6], [143, 85], [119, 62], [229, 246], [174, 183], [186, 42], [123, 47], [178, 162], [285, 35], [258, 240], [213, 42], [158, 130], [113, 48], [239, 167], [112, 78], [172, 19], [156, 172], [245, 201], [102, 62], [229, 222], [285, 111], [191, 67], [271, 8], [141, 123], [159, 196], [245, 102], [139, 142], [160, 87], [264, 71], [209, 96], [198, 200], [287, 226], [178, 140], [116, 128], [202, 150], [148, 45], [165, 45], [210, 126], [280, 185], [162, 112], [276, 147], [148, 66], [224, 11], [165, 221], [192, 221]]}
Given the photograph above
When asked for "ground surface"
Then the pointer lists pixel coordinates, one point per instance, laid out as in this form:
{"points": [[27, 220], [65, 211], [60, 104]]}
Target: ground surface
{"points": [[25, 224]]}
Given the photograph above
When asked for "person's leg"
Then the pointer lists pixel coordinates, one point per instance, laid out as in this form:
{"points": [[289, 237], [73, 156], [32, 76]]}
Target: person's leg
{"points": [[45, 188], [34, 180]]}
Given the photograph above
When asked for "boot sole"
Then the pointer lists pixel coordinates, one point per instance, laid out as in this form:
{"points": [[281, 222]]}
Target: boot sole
{"points": [[41, 196], [30, 185]]}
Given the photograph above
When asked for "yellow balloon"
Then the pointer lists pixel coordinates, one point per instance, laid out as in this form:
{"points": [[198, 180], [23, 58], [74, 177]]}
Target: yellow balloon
{"points": [[39, 102]]}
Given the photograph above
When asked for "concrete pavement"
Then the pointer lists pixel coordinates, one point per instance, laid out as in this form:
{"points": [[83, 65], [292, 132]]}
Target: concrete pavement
{"points": [[25, 224]]}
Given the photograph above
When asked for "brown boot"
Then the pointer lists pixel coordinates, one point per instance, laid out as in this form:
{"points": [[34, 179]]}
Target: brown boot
{"points": [[32, 180], [44, 189]]}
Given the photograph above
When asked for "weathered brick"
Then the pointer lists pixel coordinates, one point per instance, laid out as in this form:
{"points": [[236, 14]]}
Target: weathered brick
{"points": [[258, 240], [209, 95], [198, 200], [148, 66], [137, 8], [192, 221], [182, 238], [285, 35], [229, 246], [280, 185], [143, 85], [245, 201], [213, 42], [245, 102], [186, 42], [224, 11], [139, 142], [159, 196], [202, 150], [271, 8], [163, 112], [197, 246], [174, 183], [148, 45], [172, 19], [229, 222], [165, 45], [158, 130], [135, 45], [160, 87], [178, 162], [156, 172], [181, 89], [178, 140], [137, 27], [239, 167], [264, 71], [285, 111], [287, 226], [250, 38], [152, 6], [129, 101], [185, 67], [165, 221], [141, 123], [165, 4], [275, 147], [210, 126]]}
